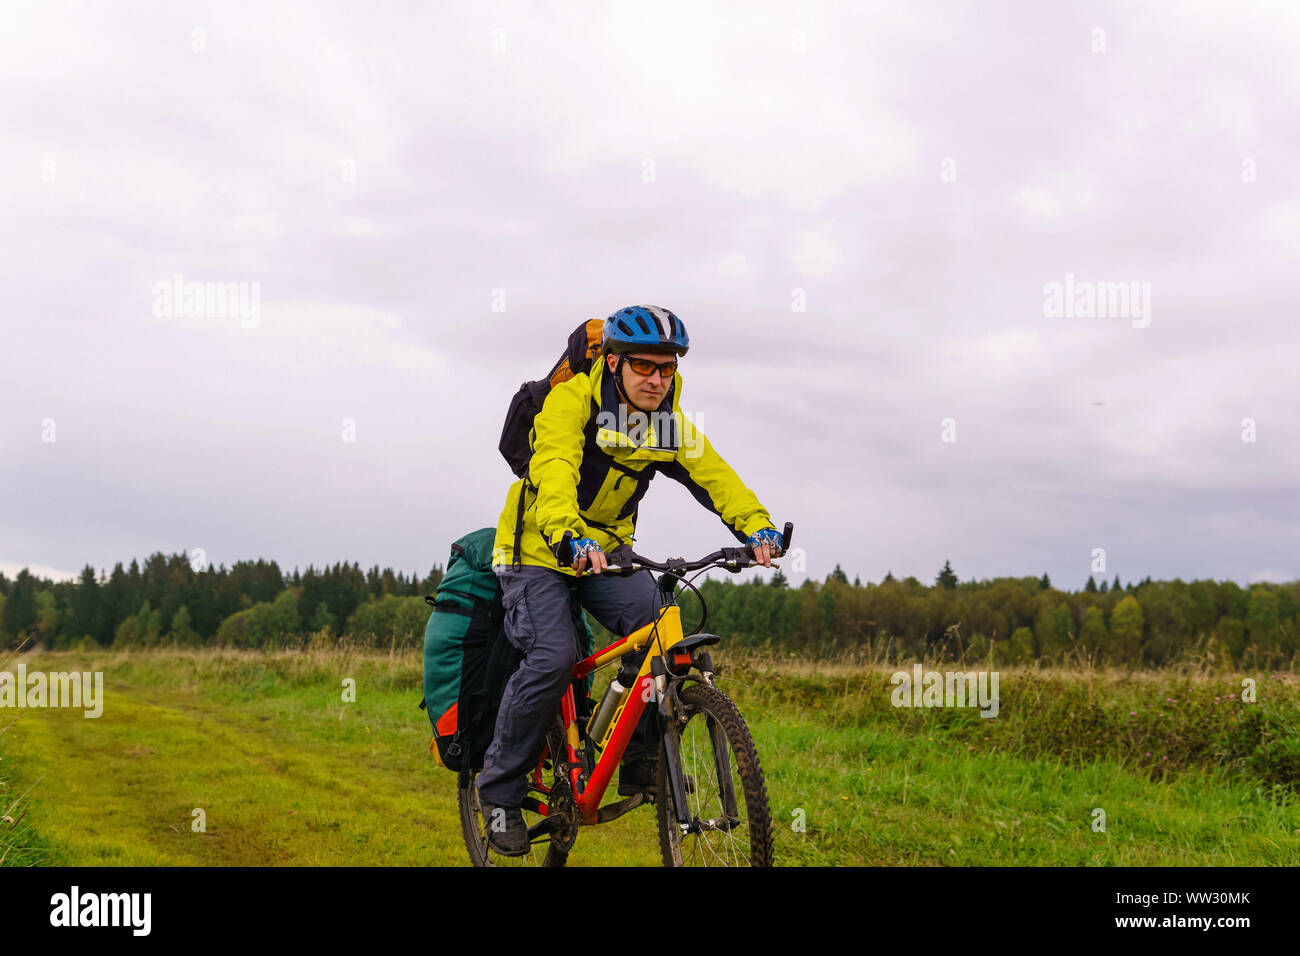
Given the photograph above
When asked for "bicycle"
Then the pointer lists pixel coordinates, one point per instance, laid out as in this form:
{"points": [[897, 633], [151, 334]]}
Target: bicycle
{"points": [[710, 794]]}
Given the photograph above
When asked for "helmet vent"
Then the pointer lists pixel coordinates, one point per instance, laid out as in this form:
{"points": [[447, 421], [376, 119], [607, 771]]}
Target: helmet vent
{"points": [[640, 320], [624, 327]]}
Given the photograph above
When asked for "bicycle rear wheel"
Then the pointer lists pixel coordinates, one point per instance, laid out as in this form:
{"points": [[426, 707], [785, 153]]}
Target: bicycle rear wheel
{"points": [[547, 848], [726, 796]]}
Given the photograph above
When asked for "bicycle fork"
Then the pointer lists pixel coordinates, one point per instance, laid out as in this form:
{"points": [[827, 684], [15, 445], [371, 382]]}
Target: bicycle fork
{"points": [[675, 781], [669, 705]]}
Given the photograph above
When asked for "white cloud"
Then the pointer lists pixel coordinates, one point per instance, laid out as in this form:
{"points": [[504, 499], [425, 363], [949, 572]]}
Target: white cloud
{"points": [[1008, 350], [734, 265], [310, 335], [1270, 576], [11, 569], [1282, 225], [708, 93], [815, 253], [1036, 200]]}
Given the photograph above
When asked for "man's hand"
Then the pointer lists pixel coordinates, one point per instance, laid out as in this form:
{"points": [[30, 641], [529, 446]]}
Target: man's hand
{"points": [[587, 552], [767, 545]]}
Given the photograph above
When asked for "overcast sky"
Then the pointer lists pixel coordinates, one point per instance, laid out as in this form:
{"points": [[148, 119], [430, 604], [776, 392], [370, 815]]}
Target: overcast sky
{"points": [[856, 210]]}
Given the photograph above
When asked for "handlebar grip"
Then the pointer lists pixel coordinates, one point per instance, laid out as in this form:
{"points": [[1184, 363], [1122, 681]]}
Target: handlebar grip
{"points": [[564, 550]]}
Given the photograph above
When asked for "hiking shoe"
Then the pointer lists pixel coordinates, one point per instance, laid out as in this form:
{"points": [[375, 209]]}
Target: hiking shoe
{"points": [[507, 833], [638, 776]]}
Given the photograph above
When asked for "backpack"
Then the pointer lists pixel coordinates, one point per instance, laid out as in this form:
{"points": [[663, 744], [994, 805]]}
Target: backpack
{"points": [[467, 657], [583, 349]]}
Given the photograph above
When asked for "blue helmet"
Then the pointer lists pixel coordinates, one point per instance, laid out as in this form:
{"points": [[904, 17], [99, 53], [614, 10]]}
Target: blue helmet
{"points": [[644, 327]]}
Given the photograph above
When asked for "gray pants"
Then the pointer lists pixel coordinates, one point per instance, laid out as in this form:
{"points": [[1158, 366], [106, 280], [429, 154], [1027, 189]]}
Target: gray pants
{"points": [[540, 624]]}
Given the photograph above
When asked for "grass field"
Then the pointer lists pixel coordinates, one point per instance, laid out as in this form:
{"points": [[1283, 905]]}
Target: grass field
{"points": [[286, 772]]}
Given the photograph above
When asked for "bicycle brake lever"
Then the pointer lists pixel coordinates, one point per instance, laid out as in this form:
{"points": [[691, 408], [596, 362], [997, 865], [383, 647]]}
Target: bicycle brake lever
{"points": [[736, 558]]}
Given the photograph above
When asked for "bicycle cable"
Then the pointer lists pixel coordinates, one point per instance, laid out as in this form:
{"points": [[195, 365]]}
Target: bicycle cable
{"points": [[656, 606], [704, 607]]}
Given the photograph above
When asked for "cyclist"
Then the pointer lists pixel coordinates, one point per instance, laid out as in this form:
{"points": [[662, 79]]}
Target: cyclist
{"points": [[597, 442]]}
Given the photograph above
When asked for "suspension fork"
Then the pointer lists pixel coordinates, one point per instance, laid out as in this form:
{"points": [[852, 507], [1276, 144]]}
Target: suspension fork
{"points": [[670, 708]]}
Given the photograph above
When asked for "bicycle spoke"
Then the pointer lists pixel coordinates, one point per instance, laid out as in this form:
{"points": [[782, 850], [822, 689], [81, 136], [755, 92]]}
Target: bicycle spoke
{"points": [[542, 851], [720, 826]]}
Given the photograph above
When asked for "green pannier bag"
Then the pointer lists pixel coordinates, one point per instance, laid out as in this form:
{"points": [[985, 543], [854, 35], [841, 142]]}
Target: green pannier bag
{"points": [[467, 658]]}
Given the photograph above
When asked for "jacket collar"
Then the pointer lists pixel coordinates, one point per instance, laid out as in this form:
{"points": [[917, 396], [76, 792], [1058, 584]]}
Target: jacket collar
{"points": [[662, 433]]}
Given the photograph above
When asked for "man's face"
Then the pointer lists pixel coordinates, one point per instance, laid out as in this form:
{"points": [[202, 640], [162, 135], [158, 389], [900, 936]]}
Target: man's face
{"points": [[646, 392]]}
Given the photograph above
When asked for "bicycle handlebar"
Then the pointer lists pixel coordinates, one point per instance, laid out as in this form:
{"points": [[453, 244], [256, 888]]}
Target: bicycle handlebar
{"points": [[733, 559]]}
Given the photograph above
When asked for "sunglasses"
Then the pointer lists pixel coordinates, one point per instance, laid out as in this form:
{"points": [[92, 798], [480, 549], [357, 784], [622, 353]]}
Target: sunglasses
{"points": [[646, 367]]}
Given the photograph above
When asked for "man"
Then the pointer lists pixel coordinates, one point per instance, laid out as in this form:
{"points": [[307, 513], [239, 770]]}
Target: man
{"points": [[596, 444]]}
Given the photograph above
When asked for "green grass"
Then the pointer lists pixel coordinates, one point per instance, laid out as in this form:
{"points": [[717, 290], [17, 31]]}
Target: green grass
{"points": [[287, 773]]}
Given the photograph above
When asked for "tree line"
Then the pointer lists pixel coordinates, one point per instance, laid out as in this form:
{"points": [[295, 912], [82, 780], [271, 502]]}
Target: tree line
{"points": [[1006, 620], [1016, 620], [168, 601]]}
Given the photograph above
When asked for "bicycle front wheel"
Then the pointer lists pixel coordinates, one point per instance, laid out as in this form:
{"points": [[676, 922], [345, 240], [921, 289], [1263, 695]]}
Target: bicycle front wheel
{"points": [[726, 796]]}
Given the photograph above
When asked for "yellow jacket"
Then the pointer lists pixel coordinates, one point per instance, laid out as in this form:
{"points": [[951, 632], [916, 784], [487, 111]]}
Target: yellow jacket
{"points": [[589, 470]]}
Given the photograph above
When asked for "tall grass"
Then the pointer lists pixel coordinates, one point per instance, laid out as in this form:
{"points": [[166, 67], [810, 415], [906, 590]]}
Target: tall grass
{"points": [[18, 845], [1195, 715], [1159, 722]]}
